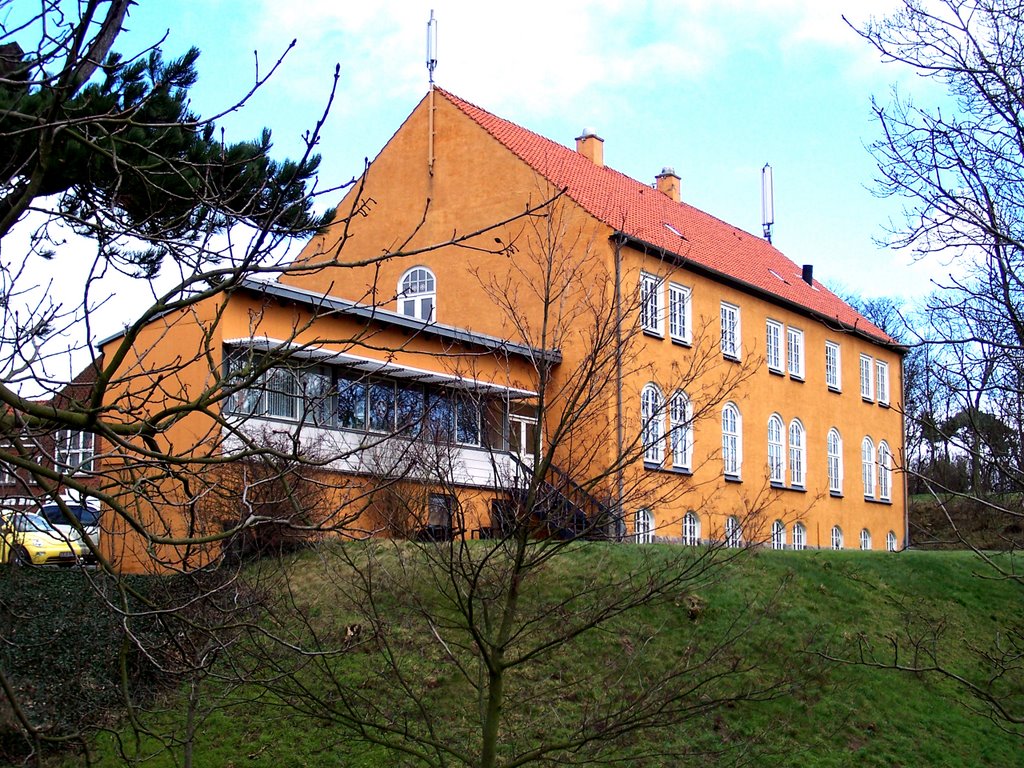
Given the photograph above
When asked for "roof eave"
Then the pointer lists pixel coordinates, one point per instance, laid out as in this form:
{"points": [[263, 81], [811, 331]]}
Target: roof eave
{"points": [[375, 314], [750, 288]]}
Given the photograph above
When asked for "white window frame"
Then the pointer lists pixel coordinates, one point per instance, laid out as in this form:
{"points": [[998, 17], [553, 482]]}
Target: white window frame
{"points": [[416, 286], [679, 313], [865, 539], [680, 417], [834, 449], [884, 471], [75, 451], [652, 427], [732, 440], [882, 382], [652, 306], [837, 537], [891, 544], [799, 536], [730, 317], [733, 532], [643, 526], [867, 461], [833, 367], [778, 535], [867, 378], [797, 454], [776, 450], [773, 345], [691, 529], [795, 352]]}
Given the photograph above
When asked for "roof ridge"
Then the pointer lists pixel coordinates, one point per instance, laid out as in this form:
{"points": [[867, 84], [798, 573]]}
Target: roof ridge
{"points": [[458, 101]]}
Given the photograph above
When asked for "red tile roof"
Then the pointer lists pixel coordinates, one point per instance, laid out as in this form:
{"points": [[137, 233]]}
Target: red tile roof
{"points": [[645, 214]]}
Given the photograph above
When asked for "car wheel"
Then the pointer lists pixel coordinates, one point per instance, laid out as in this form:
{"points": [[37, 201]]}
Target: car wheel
{"points": [[20, 557]]}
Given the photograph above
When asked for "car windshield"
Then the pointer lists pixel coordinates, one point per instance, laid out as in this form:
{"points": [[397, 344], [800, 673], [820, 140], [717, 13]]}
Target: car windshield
{"points": [[31, 523], [85, 515]]}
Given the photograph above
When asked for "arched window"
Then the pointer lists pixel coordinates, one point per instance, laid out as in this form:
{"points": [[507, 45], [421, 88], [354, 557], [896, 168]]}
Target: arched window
{"points": [[867, 459], [680, 433], [417, 294], [778, 535], [652, 414], [797, 453], [643, 526], [835, 462], [890, 541], [837, 537], [691, 529], [884, 471], [776, 450], [799, 536], [865, 538], [733, 532], [732, 440]]}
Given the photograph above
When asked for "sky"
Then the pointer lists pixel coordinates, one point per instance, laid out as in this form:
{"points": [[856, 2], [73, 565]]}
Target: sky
{"points": [[713, 88]]}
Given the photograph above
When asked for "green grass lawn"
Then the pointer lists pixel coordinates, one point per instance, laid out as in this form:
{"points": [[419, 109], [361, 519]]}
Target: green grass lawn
{"points": [[792, 605]]}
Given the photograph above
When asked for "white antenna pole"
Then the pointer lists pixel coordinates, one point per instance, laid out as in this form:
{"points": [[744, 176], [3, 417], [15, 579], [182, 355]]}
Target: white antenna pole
{"points": [[431, 64], [431, 47], [767, 201]]}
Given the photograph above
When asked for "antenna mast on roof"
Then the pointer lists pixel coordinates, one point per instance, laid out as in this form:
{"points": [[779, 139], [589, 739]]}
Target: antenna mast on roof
{"points": [[767, 201], [431, 65], [431, 47]]}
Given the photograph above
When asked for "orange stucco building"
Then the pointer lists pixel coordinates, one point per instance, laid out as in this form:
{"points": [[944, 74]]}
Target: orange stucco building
{"points": [[716, 390]]}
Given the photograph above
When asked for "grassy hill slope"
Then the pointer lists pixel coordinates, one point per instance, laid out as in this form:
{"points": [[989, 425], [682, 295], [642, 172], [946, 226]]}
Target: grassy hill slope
{"points": [[790, 605]]}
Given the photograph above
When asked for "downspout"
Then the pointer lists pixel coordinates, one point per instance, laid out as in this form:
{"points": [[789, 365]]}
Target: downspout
{"points": [[903, 443], [619, 427]]}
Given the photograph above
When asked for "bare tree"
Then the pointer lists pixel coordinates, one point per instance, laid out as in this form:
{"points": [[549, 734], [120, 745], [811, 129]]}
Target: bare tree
{"points": [[474, 632], [957, 168], [113, 192]]}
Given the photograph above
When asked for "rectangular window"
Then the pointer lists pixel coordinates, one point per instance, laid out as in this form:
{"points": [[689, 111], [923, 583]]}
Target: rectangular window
{"points": [[281, 399], [730, 331], [467, 421], [317, 397], [773, 345], [410, 406], [795, 352], [679, 312], [74, 451], [351, 402], [832, 370], [381, 399], [882, 382], [651, 308], [867, 379]]}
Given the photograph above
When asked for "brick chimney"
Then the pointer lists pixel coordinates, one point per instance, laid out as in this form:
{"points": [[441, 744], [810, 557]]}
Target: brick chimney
{"points": [[591, 146], [668, 182]]}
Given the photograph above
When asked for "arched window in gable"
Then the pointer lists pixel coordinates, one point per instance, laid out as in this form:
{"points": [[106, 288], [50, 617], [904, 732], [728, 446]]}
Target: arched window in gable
{"points": [[417, 294]]}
